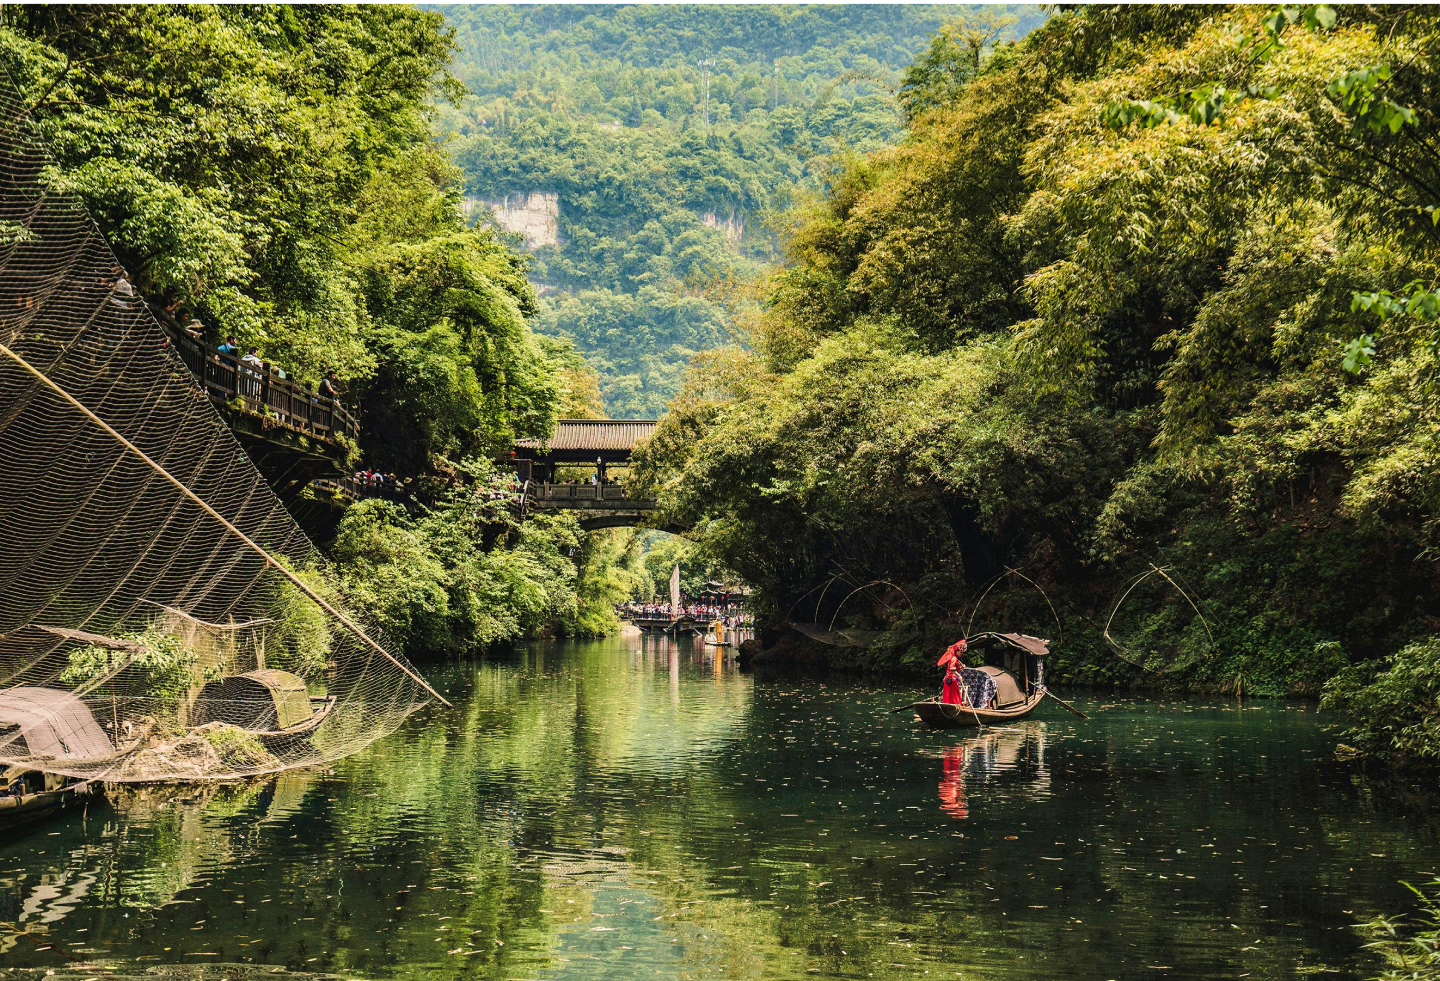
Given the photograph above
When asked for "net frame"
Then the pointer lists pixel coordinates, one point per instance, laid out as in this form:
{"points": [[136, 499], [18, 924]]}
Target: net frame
{"points": [[130, 515]]}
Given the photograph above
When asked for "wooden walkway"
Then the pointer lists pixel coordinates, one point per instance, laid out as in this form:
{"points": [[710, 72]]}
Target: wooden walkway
{"points": [[261, 391], [599, 505]]}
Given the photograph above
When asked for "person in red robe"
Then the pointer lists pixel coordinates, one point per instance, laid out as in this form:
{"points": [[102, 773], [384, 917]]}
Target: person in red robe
{"points": [[950, 691], [952, 783]]}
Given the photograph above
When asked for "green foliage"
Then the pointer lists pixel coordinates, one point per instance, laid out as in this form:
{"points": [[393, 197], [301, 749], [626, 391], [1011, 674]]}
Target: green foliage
{"points": [[610, 572], [303, 634], [956, 55], [227, 171], [459, 372], [238, 749], [163, 671], [1359, 351], [1356, 92], [663, 194], [1036, 335], [1396, 703], [639, 342], [463, 574], [662, 553], [1411, 951]]}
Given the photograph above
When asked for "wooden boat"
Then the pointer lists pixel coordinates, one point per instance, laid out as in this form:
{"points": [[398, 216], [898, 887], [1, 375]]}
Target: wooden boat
{"points": [[44, 724], [273, 706], [936, 713], [1015, 664], [29, 795]]}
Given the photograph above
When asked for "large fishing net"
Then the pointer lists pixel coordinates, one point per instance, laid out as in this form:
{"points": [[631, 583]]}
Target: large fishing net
{"points": [[162, 616]]}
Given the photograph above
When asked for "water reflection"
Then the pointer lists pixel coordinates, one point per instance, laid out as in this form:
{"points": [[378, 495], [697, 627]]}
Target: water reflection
{"points": [[637, 808], [995, 755]]}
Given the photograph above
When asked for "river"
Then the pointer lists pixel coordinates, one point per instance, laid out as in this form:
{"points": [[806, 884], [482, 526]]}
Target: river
{"points": [[632, 808]]}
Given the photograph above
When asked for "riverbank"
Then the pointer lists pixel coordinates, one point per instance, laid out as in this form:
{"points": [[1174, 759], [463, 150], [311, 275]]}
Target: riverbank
{"points": [[789, 649]]}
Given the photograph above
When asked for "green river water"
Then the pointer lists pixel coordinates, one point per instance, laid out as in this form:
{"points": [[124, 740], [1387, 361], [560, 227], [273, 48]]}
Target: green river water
{"points": [[630, 808]]}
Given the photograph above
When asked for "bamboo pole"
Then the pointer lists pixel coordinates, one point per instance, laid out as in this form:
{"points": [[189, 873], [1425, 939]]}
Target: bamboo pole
{"points": [[270, 560]]}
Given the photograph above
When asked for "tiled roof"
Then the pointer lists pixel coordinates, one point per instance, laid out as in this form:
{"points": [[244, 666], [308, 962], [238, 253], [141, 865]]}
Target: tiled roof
{"points": [[593, 434]]}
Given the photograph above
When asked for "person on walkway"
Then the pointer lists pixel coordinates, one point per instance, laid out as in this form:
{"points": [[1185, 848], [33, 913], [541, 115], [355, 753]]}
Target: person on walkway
{"points": [[330, 386], [229, 348], [123, 291], [250, 374]]}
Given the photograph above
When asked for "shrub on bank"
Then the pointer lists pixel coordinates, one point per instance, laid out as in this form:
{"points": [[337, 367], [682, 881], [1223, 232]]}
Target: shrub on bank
{"points": [[1394, 705], [1411, 952]]}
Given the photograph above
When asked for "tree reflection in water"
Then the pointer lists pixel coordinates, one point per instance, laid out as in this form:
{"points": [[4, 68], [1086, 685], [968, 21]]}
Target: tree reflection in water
{"points": [[635, 808]]}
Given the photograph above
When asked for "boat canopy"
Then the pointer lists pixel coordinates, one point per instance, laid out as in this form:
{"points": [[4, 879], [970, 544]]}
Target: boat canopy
{"points": [[1023, 642], [262, 701], [52, 723], [1007, 689]]}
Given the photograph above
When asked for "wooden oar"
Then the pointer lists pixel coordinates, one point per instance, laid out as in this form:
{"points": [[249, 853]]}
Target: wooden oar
{"points": [[1067, 705], [903, 708]]}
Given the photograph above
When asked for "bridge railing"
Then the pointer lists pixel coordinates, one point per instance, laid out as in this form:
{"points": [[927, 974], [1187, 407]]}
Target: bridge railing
{"points": [[261, 390], [564, 493], [355, 490]]}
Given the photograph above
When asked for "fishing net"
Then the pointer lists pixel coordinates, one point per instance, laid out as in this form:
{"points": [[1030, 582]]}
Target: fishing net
{"points": [[844, 637], [162, 616], [1150, 630]]}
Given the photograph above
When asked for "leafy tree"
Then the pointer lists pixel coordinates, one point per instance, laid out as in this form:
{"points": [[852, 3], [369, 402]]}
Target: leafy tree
{"points": [[463, 574], [954, 58], [1152, 285]]}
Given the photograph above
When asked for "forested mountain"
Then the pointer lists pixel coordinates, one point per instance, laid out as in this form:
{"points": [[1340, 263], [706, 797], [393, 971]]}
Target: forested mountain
{"points": [[1156, 288], [646, 151]]}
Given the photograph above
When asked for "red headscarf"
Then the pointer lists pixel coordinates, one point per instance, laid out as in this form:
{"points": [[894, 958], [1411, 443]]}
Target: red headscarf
{"points": [[952, 653]]}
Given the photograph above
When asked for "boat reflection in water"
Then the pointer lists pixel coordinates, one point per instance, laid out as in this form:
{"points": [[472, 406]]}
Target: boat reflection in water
{"points": [[996, 761], [165, 837]]}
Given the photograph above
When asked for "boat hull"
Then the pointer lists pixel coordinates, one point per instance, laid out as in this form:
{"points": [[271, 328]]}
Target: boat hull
{"points": [[939, 715], [18, 811]]}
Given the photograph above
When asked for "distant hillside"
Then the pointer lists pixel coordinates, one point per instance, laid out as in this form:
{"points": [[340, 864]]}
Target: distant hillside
{"points": [[639, 150]]}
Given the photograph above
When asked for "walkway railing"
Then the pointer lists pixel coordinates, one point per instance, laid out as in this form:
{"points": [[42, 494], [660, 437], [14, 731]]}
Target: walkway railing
{"points": [[262, 391], [355, 490], [562, 494]]}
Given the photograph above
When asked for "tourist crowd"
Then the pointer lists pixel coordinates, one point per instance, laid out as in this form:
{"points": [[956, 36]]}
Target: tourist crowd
{"points": [[731, 614]]}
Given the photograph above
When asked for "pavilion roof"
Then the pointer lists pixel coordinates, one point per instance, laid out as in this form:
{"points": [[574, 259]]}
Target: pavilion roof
{"points": [[595, 435]]}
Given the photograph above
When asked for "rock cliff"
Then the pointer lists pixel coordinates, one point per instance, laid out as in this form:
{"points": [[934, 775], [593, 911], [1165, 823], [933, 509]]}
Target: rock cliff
{"points": [[534, 215], [734, 226]]}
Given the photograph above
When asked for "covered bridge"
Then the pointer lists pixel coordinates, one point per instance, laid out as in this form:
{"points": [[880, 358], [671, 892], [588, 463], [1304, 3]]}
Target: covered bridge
{"points": [[590, 449], [598, 444]]}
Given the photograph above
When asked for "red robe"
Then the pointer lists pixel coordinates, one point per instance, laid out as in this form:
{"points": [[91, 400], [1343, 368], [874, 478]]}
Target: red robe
{"points": [[950, 691]]}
